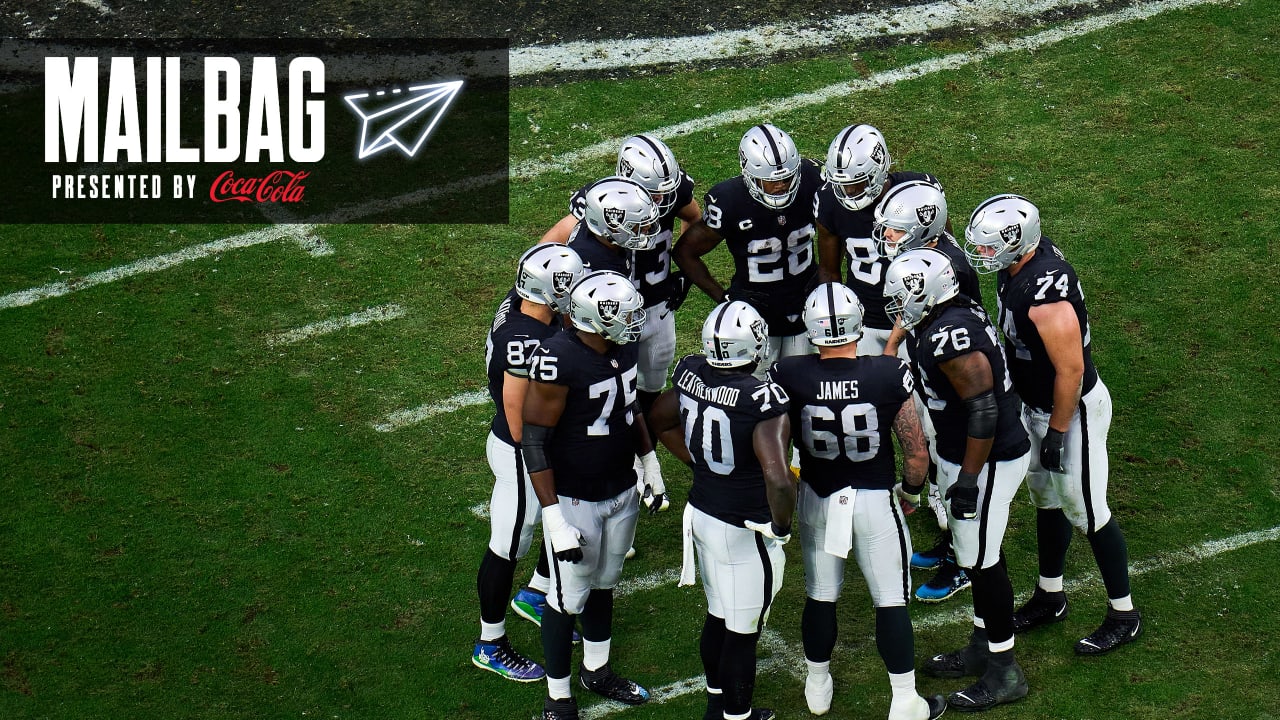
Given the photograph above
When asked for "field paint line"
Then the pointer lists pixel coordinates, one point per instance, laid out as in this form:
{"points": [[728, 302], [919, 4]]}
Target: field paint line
{"points": [[530, 169], [381, 313], [480, 510], [154, 264], [412, 416], [652, 581], [563, 162], [782, 655], [101, 7], [787, 657], [586, 55]]}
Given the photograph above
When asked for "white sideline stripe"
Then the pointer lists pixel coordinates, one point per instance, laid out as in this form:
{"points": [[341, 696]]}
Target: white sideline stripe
{"points": [[155, 264], [775, 38], [98, 5], [381, 313], [403, 418], [530, 169], [563, 162], [785, 658]]}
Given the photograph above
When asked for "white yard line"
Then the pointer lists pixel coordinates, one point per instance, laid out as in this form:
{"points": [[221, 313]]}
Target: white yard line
{"points": [[381, 313], [155, 264], [413, 416], [98, 5], [786, 657], [772, 39], [564, 163]]}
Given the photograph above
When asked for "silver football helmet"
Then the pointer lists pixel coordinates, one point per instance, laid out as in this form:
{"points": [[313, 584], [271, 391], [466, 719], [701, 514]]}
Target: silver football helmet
{"points": [[857, 166], [606, 303], [734, 335], [768, 154], [649, 162], [916, 282], [833, 315], [546, 272], [1001, 230], [918, 209], [621, 210]]}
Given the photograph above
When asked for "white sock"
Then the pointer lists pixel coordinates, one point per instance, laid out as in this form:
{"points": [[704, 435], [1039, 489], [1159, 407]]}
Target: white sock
{"points": [[743, 716], [541, 583], [996, 647], [558, 688], [818, 668], [1051, 584], [1123, 604], [979, 622], [595, 655], [492, 631], [903, 685]]}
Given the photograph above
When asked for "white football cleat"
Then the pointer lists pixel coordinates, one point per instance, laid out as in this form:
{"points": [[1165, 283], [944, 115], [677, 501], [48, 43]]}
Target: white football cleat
{"points": [[818, 690]]}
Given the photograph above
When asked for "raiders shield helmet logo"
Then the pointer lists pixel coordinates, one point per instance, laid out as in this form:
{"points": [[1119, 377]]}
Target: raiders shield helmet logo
{"points": [[914, 283], [613, 217], [625, 169], [1012, 234], [560, 282], [608, 310], [926, 214], [757, 331], [877, 154]]}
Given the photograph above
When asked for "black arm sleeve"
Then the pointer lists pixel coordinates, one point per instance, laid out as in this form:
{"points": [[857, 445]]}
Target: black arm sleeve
{"points": [[982, 415], [533, 445]]}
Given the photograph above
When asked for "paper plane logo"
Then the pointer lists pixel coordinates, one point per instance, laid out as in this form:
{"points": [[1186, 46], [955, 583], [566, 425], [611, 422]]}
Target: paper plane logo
{"points": [[400, 117]]}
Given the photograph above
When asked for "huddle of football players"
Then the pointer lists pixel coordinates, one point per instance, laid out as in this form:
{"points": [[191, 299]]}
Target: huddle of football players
{"points": [[853, 319]]}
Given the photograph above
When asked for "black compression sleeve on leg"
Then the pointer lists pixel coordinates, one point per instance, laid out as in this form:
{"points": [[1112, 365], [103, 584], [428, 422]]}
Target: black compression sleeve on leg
{"points": [[597, 616], [1053, 537], [818, 629], [993, 594], [895, 640], [557, 642], [1112, 554], [738, 671], [493, 584], [709, 647]]}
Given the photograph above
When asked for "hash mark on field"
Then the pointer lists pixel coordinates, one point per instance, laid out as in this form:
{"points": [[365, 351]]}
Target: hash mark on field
{"points": [[382, 313], [782, 658], [155, 264], [412, 416]]}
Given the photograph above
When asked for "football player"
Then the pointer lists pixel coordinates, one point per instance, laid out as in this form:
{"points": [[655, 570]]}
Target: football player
{"points": [[646, 160], [732, 428], [855, 177], [769, 233], [913, 214], [844, 407], [983, 455], [581, 436], [525, 318], [1067, 410]]}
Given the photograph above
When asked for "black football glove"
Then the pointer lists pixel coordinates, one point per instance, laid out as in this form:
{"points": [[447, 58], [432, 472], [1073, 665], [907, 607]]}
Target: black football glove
{"points": [[680, 287], [1051, 451], [963, 496]]}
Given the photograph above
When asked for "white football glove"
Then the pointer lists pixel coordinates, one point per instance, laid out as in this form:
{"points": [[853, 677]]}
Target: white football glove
{"points": [[566, 540], [653, 490], [769, 530]]}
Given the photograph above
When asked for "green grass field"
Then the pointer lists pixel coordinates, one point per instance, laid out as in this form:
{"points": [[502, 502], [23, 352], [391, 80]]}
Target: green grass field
{"points": [[200, 524]]}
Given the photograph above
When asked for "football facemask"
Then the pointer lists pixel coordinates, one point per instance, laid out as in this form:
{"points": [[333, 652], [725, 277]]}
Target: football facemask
{"points": [[1001, 230], [606, 303], [918, 209], [916, 282], [857, 166], [621, 211], [767, 154]]}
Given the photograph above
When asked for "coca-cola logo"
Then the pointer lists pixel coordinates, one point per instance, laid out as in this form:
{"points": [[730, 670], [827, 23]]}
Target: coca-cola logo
{"points": [[279, 186]]}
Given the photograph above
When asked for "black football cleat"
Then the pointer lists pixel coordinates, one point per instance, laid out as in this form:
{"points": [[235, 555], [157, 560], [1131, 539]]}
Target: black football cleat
{"points": [[608, 684], [1044, 608], [560, 709], [1000, 684], [1120, 627]]}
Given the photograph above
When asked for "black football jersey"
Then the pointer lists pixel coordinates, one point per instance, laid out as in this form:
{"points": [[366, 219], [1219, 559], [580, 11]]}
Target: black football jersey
{"points": [[957, 330], [842, 414], [513, 337], [966, 276], [864, 267], [772, 249], [596, 255], [593, 448], [1046, 278], [651, 269], [719, 411]]}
